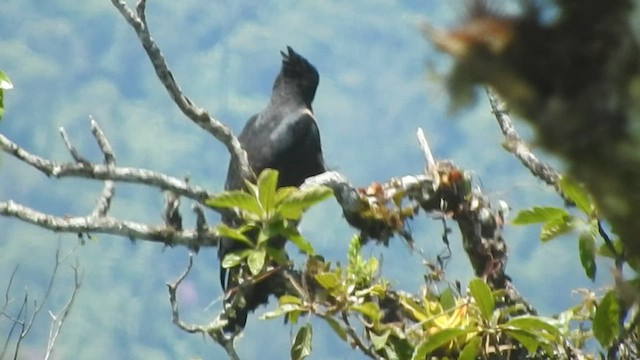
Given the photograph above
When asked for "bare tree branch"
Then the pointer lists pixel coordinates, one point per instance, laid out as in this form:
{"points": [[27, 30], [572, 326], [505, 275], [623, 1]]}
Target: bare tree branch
{"points": [[58, 320], [108, 225], [515, 145], [196, 114], [213, 330], [105, 172]]}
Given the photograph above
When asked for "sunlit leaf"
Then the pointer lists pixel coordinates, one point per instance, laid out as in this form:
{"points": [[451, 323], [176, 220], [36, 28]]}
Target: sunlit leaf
{"points": [[297, 202], [556, 227], [289, 299], [279, 311], [368, 309], [235, 199], [283, 193], [231, 233], [328, 281], [470, 351], [447, 299], [587, 248], [525, 338], [267, 184], [255, 260], [482, 295], [301, 347], [605, 321], [437, 340], [416, 310], [540, 326], [234, 259], [576, 193], [379, 341], [538, 215]]}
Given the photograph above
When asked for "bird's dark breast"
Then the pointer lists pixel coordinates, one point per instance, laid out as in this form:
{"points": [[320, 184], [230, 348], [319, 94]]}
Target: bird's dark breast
{"points": [[297, 166]]}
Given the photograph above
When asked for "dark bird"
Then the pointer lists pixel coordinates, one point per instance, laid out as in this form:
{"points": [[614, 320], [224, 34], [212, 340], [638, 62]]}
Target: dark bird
{"points": [[285, 137]]}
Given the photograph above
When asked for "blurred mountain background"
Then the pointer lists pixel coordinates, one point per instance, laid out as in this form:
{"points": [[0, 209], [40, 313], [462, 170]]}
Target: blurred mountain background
{"points": [[380, 81]]}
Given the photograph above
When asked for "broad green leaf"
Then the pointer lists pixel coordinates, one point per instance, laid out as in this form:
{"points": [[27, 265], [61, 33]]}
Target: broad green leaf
{"points": [[5, 83], [446, 299], [536, 325], [576, 193], [279, 311], [483, 297], [587, 248], [236, 199], [417, 311], [368, 309], [283, 193], [234, 259], [379, 341], [525, 338], [231, 233], [289, 299], [538, 215], [354, 250], [470, 351], [301, 347], [556, 227], [267, 184], [255, 260], [297, 202], [605, 321], [328, 281], [342, 334], [606, 252], [437, 340], [298, 240]]}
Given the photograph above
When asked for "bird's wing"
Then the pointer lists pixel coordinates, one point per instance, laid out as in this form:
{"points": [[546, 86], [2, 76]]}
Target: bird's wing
{"points": [[296, 130]]}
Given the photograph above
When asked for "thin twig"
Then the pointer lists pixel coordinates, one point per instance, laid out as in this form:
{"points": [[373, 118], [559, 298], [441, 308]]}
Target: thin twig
{"points": [[356, 339], [198, 115], [213, 330]]}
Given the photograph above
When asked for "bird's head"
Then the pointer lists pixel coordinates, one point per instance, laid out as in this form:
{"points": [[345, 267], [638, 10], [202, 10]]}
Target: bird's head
{"points": [[299, 72]]}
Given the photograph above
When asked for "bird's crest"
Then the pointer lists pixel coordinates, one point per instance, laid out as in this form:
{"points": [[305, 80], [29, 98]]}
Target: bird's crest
{"points": [[295, 65]]}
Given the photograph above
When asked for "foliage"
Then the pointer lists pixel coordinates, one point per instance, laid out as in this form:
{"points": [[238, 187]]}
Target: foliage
{"points": [[606, 315], [5, 84]]}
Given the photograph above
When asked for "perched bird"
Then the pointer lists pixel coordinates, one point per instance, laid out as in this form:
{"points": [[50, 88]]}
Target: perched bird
{"points": [[285, 137]]}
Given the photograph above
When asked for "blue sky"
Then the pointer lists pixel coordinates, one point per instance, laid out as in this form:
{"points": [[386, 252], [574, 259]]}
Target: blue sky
{"points": [[380, 81]]}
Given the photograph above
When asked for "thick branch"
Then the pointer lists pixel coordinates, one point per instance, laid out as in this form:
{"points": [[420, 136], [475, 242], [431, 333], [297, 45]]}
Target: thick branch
{"points": [[193, 112], [104, 172], [108, 225]]}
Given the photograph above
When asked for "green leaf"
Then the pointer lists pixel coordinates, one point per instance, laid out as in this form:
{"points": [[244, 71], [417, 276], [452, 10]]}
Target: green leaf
{"points": [[538, 215], [483, 297], [291, 233], [297, 202], [353, 251], [368, 309], [447, 300], [605, 321], [342, 334], [289, 299], [470, 351], [536, 325], [606, 252], [301, 347], [328, 281], [439, 339], [525, 338], [279, 311], [231, 233], [576, 193], [267, 184], [587, 248], [234, 259], [255, 260], [236, 199], [283, 193], [379, 341], [556, 227], [5, 83]]}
